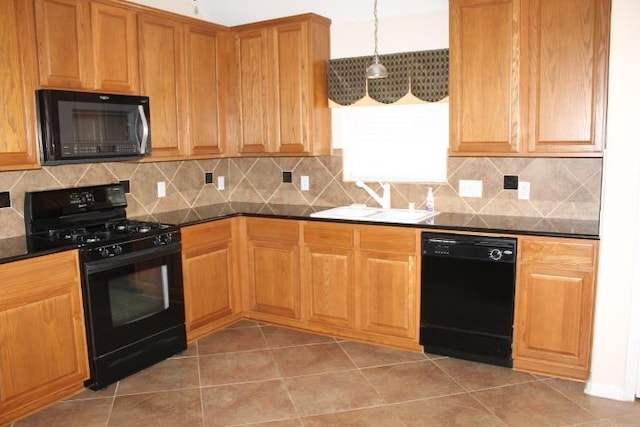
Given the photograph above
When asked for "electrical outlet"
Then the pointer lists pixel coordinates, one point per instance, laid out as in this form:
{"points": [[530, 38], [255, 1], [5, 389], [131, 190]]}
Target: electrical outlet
{"points": [[162, 189], [510, 182], [208, 177], [287, 176], [304, 183], [221, 182], [126, 186], [524, 190], [470, 188], [5, 199]]}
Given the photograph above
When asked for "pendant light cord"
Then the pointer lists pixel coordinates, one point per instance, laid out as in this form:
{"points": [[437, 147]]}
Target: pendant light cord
{"points": [[375, 30]]}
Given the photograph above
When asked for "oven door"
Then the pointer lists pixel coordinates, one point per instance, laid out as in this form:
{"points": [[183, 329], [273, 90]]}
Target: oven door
{"points": [[133, 296]]}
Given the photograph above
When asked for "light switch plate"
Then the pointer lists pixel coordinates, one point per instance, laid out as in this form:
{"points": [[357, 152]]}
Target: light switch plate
{"points": [[162, 189], [221, 182], [524, 190], [304, 183], [470, 188]]}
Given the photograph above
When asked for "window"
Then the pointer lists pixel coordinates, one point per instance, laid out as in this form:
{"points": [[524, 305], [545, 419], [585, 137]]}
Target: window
{"points": [[394, 143]]}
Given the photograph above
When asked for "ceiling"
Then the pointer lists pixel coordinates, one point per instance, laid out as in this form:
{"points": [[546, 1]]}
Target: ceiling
{"points": [[237, 12]]}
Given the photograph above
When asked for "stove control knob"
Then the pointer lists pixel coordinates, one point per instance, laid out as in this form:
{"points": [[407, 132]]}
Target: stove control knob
{"points": [[495, 254], [163, 239], [117, 250], [105, 252]]}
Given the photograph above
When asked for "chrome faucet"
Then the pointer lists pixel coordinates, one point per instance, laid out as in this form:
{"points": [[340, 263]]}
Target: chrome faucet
{"points": [[385, 199]]}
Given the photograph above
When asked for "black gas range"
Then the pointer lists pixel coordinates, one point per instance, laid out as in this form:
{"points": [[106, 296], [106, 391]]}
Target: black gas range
{"points": [[131, 276], [87, 217]]}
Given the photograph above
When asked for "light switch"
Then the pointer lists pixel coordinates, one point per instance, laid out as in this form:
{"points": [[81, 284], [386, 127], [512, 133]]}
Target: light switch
{"points": [[470, 188], [162, 189], [304, 183], [221, 183], [524, 190]]}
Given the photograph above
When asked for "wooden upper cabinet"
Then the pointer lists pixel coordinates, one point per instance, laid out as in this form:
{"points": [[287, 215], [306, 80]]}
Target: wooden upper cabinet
{"points": [[205, 59], [114, 48], [528, 77], [162, 74], [281, 79], [484, 77], [87, 45], [554, 306], [290, 81], [18, 80], [566, 49], [64, 50], [252, 98]]}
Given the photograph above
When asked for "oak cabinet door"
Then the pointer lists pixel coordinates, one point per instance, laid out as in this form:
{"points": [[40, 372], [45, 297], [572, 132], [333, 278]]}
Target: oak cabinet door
{"points": [[484, 76], [64, 43], [567, 75], [209, 278], [554, 306], [205, 56], [274, 267], [388, 293], [388, 281], [161, 64], [290, 86], [114, 48], [252, 77], [43, 348], [328, 274], [18, 81]]}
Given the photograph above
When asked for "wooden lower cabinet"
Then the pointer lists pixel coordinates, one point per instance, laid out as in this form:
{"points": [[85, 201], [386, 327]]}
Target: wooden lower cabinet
{"points": [[388, 281], [328, 274], [43, 348], [273, 273], [361, 282], [554, 306], [211, 299]]}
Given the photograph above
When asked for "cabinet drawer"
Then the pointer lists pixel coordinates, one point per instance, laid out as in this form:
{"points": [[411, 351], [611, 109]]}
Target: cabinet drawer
{"points": [[272, 229], [202, 234], [388, 239], [334, 235], [579, 254]]}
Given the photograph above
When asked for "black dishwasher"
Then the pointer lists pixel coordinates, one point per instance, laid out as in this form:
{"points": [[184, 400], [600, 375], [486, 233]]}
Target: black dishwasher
{"points": [[467, 299]]}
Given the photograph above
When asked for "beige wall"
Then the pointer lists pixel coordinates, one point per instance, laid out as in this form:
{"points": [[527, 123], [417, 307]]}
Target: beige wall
{"points": [[560, 188]]}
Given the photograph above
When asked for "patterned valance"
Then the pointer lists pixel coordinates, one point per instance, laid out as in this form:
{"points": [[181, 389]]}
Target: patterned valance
{"points": [[425, 74]]}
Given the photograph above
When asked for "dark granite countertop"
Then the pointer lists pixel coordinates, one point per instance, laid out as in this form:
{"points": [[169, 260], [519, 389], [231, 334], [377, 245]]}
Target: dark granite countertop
{"points": [[16, 248], [502, 224]]}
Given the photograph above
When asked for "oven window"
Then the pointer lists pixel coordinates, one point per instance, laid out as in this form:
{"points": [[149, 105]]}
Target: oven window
{"points": [[133, 298], [138, 292]]}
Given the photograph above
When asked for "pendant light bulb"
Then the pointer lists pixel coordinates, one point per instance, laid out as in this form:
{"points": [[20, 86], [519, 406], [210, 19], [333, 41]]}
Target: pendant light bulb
{"points": [[376, 70]]}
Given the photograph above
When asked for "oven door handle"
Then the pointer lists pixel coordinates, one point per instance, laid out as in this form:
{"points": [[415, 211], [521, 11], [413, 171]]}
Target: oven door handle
{"points": [[130, 258]]}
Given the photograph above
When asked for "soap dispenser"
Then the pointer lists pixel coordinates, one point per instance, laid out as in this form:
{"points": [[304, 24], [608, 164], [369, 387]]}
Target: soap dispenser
{"points": [[430, 202]]}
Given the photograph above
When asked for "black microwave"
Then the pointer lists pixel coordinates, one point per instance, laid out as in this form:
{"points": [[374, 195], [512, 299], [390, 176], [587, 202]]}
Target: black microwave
{"points": [[82, 127]]}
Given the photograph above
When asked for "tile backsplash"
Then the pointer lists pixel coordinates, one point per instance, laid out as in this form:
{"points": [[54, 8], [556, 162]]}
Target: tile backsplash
{"points": [[560, 187]]}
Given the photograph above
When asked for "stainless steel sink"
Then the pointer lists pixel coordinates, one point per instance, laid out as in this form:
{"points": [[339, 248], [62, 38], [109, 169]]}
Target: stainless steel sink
{"points": [[365, 213]]}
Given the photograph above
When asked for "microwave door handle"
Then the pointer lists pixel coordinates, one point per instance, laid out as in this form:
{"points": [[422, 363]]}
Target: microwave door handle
{"points": [[145, 130]]}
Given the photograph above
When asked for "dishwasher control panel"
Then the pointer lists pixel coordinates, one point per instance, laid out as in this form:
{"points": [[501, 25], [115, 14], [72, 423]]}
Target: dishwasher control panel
{"points": [[470, 247]]}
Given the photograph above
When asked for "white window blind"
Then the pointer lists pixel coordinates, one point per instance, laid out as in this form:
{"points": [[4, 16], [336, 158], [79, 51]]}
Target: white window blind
{"points": [[394, 143]]}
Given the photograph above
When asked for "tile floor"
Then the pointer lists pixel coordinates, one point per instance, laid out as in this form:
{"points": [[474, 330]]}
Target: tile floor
{"points": [[262, 375]]}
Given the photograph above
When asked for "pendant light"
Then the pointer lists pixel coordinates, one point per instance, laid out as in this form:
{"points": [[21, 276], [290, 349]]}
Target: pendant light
{"points": [[376, 70]]}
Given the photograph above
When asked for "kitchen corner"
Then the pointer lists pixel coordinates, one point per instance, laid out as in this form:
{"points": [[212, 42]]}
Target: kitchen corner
{"points": [[228, 205]]}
